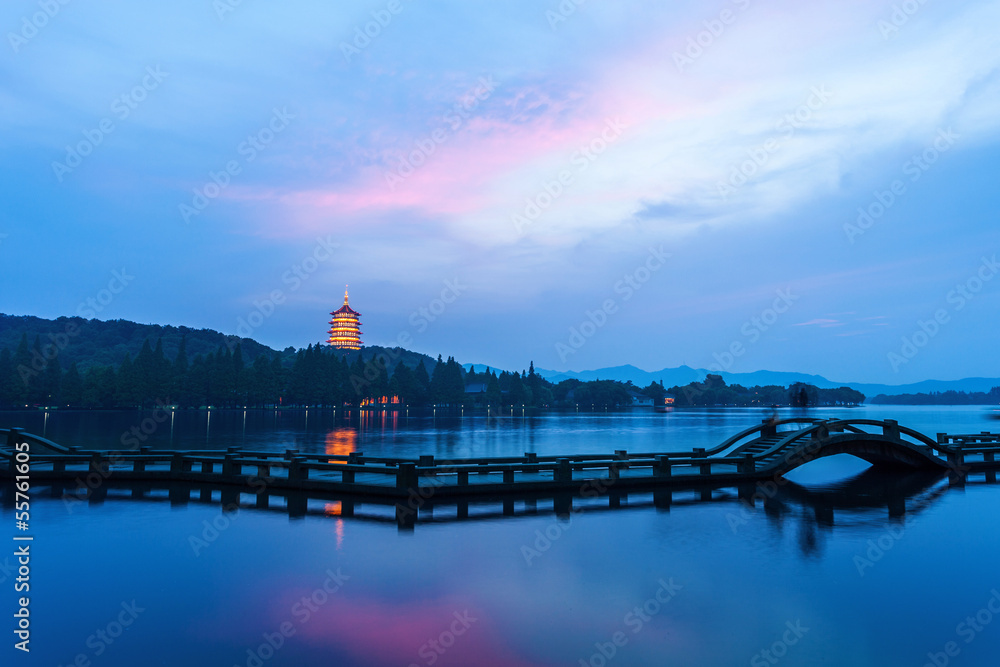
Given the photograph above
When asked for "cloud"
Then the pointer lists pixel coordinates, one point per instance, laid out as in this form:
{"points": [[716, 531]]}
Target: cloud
{"points": [[824, 323]]}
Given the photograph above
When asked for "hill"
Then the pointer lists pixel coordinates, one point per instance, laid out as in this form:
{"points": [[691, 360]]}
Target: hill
{"points": [[105, 343], [88, 343]]}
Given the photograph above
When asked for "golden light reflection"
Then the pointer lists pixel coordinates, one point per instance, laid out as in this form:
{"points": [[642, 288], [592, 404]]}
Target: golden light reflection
{"points": [[334, 509], [341, 441]]}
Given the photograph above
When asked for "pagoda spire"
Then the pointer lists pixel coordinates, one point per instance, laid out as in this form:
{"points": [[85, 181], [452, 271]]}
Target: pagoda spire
{"points": [[345, 327]]}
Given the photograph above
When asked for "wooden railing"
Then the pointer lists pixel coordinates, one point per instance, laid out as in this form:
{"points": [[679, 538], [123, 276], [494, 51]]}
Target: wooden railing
{"points": [[377, 474]]}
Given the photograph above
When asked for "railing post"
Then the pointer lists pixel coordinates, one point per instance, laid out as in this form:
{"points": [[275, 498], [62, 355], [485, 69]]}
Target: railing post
{"points": [[663, 466], [347, 476], [749, 465], [177, 463], [508, 476], [296, 471], [622, 455], [704, 468], [768, 428], [96, 461], [426, 460], [406, 476], [942, 438], [230, 466], [207, 467], [14, 436], [956, 458], [138, 466], [463, 477], [890, 429], [564, 473]]}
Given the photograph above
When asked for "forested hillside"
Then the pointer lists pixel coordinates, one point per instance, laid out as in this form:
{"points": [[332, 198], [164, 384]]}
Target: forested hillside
{"points": [[89, 343], [71, 362]]}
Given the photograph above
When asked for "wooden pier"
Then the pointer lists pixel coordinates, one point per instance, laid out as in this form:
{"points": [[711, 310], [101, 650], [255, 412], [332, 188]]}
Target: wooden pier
{"points": [[745, 461]]}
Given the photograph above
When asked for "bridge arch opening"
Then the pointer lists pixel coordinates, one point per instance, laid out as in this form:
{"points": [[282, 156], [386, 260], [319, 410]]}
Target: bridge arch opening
{"points": [[828, 470]]}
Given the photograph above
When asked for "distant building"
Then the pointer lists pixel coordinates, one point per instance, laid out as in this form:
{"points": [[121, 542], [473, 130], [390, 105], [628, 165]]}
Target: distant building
{"points": [[640, 400], [475, 388], [665, 404], [345, 327]]}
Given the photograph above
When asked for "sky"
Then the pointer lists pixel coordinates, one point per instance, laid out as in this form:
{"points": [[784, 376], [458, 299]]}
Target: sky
{"points": [[734, 185]]}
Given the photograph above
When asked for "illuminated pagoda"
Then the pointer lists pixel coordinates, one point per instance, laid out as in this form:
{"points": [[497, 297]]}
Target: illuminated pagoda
{"points": [[345, 327]]}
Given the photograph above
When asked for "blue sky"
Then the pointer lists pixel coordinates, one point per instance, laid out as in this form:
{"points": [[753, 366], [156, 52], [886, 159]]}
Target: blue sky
{"points": [[512, 182]]}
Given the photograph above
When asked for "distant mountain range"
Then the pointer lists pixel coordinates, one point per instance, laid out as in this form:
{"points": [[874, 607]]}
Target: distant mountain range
{"points": [[683, 375]]}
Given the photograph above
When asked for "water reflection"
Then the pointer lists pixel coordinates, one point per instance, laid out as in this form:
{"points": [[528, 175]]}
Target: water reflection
{"points": [[412, 433], [341, 441], [217, 582], [860, 503]]}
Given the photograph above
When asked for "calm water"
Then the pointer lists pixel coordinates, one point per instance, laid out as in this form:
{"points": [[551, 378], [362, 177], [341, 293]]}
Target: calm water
{"points": [[819, 577]]}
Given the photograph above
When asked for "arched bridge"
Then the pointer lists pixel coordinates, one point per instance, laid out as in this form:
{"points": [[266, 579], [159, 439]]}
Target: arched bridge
{"points": [[771, 449]]}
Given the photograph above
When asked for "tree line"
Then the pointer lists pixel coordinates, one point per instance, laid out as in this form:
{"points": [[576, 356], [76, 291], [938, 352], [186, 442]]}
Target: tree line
{"points": [[714, 391], [318, 375], [950, 397]]}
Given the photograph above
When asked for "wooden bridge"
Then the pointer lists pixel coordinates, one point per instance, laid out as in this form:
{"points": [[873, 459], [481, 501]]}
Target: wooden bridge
{"points": [[746, 460]]}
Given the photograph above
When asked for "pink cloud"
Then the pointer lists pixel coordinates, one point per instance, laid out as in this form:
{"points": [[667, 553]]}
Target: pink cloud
{"points": [[461, 174], [395, 632]]}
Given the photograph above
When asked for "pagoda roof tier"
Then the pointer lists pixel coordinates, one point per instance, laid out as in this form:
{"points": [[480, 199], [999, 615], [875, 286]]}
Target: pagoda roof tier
{"points": [[346, 310]]}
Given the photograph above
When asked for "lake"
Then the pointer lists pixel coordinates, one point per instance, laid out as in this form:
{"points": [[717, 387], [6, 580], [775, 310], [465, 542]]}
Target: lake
{"points": [[822, 575]]}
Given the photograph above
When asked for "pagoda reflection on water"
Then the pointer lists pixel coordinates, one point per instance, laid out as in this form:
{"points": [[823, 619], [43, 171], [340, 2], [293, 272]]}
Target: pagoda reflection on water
{"points": [[345, 327]]}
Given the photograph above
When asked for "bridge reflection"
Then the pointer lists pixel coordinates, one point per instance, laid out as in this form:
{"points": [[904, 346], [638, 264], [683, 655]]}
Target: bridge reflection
{"points": [[864, 500]]}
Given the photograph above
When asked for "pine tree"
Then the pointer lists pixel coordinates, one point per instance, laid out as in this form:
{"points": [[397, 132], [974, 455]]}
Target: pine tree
{"points": [[359, 387], [127, 385], [24, 374], [421, 384], [437, 385], [239, 394], [493, 396], [276, 388], [258, 379], [517, 393], [180, 382], [144, 368], [403, 383], [51, 378], [72, 387], [7, 378], [161, 373]]}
